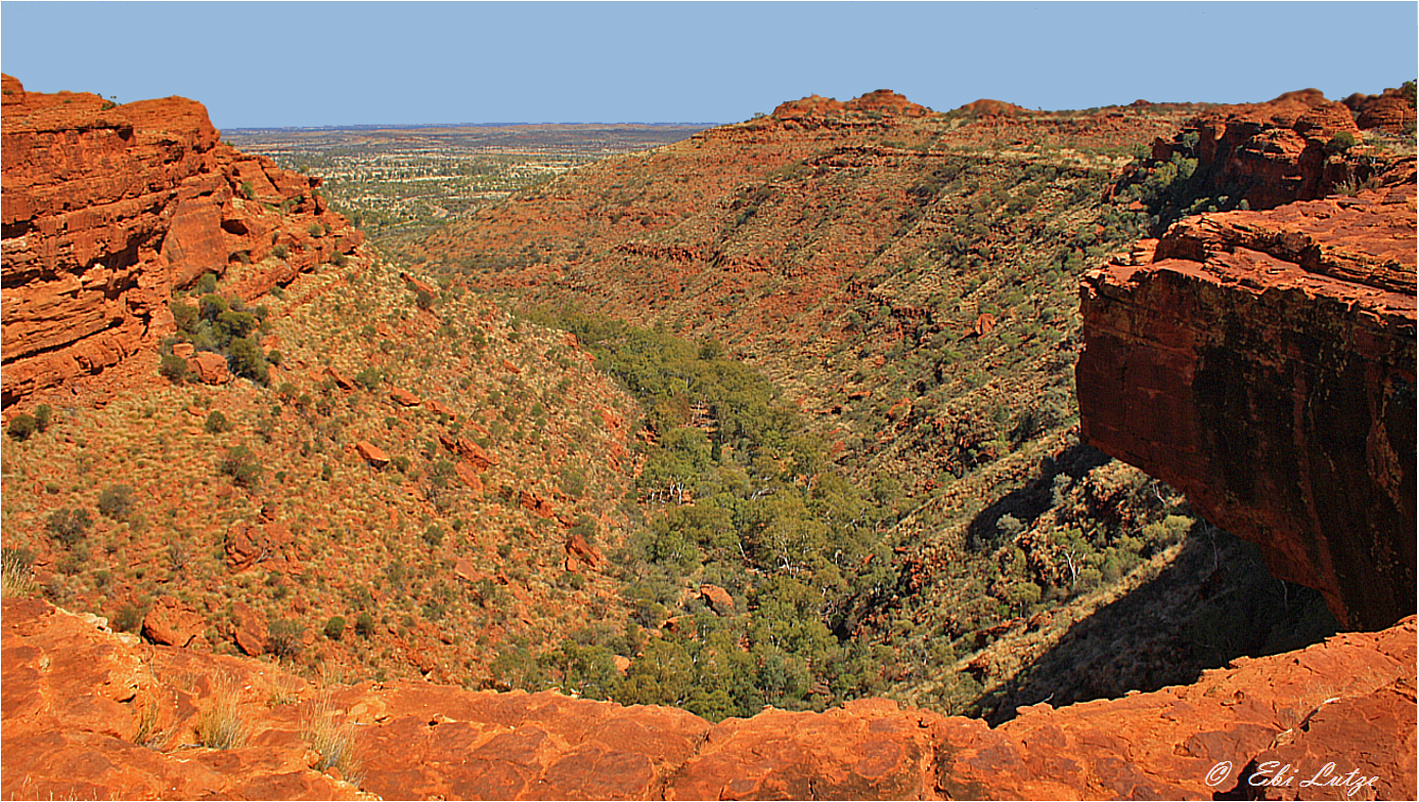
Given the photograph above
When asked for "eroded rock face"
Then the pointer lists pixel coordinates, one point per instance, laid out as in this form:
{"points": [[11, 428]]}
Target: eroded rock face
{"points": [[109, 208], [1264, 362], [93, 714]]}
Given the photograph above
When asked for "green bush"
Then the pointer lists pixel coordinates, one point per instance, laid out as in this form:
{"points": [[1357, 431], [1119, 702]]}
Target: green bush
{"points": [[433, 535], [283, 639], [364, 625], [217, 423], [279, 251], [73, 562], [129, 618], [335, 628], [242, 465], [22, 426], [173, 368], [232, 324], [248, 360], [1342, 141], [116, 501], [43, 416], [69, 526], [368, 378]]}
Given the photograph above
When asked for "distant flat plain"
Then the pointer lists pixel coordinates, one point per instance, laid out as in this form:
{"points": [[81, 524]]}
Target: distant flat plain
{"points": [[397, 183]]}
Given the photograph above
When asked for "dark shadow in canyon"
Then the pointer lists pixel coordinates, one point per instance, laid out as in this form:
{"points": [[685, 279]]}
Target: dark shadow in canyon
{"points": [[1215, 602]]}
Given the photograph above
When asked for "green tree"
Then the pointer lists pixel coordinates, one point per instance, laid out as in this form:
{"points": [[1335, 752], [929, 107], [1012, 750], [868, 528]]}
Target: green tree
{"points": [[248, 360]]}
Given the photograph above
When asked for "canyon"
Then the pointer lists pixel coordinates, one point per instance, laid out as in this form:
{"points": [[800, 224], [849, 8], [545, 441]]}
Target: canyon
{"points": [[1259, 360]]}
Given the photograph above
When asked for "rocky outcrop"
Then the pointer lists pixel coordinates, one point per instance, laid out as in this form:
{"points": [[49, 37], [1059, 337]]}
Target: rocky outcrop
{"points": [[108, 209], [985, 107], [1264, 363], [1288, 149], [1390, 111], [93, 714], [881, 101]]}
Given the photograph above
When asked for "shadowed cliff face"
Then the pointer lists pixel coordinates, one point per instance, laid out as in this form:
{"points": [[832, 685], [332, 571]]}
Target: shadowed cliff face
{"points": [[1263, 362], [109, 208]]}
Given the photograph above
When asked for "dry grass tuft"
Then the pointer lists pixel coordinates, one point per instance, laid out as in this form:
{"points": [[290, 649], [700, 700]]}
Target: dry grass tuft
{"points": [[282, 691], [146, 711], [333, 738], [15, 577], [221, 726]]}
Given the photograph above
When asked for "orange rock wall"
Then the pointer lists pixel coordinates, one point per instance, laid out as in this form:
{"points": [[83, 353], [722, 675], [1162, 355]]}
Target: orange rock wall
{"points": [[1264, 363], [107, 209]]}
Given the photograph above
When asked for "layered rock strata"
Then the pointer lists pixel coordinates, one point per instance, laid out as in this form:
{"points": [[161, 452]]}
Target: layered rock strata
{"points": [[109, 208], [1264, 362], [88, 713]]}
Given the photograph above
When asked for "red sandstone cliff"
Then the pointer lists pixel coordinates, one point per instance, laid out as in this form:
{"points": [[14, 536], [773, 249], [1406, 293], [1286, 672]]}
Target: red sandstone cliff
{"points": [[1264, 363], [87, 713], [108, 208]]}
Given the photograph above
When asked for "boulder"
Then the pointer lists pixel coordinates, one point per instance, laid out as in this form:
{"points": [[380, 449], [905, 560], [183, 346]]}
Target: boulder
{"points": [[717, 598], [341, 380], [372, 454], [463, 569], [248, 629], [539, 506], [984, 324], [170, 622], [210, 368], [469, 474], [404, 398], [470, 451], [580, 552]]}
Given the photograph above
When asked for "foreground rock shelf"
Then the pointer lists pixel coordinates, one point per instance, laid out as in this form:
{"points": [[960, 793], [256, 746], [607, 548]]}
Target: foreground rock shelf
{"points": [[76, 697]]}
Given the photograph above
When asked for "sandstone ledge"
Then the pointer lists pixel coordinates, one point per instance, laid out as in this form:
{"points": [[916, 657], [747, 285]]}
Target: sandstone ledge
{"points": [[75, 698]]}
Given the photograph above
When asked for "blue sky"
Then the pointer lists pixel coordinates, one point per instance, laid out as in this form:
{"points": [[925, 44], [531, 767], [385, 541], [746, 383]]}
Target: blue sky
{"points": [[337, 63]]}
